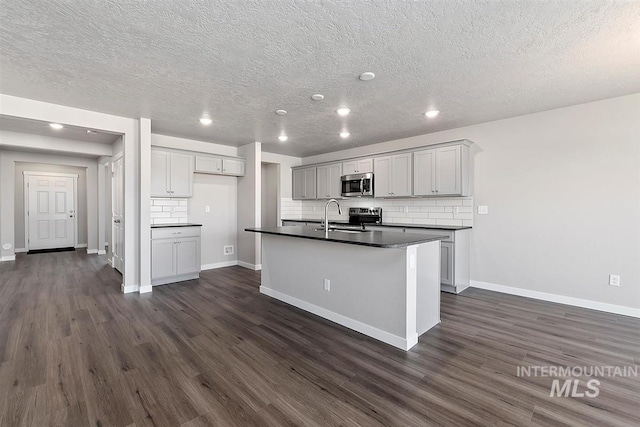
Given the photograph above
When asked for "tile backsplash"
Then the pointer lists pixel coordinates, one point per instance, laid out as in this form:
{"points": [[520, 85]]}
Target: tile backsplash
{"points": [[424, 211], [169, 211]]}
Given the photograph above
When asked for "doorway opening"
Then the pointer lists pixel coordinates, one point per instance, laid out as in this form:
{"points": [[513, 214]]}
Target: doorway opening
{"points": [[50, 211]]}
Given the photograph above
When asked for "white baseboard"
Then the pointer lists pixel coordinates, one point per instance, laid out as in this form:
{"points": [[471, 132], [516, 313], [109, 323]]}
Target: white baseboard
{"points": [[21, 250], [218, 265], [254, 267], [379, 334], [92, 251], [103, 252], [145, 289], [81, 245], [8, 258], [129, 289], [561, 299]]}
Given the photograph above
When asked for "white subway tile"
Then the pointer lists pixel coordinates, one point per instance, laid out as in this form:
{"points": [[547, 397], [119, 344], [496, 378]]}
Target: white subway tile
{"points": [[438, 215], [160, 215], [463, 216], [432, 209]]}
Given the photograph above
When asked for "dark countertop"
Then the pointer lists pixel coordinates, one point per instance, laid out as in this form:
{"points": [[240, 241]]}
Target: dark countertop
{"points": [[175, 225], [388, 224], [377, 239]]}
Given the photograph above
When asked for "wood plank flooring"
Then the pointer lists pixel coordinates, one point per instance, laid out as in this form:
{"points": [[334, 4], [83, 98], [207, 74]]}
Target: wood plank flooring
{"points": [[74, 351]]}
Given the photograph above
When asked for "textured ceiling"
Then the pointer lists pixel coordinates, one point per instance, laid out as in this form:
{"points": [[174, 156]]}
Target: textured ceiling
{"points": [[35, 127], [239, 61]]}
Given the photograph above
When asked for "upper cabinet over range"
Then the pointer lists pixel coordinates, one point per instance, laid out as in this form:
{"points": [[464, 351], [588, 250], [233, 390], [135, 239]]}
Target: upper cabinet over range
{"points": [[357, 166]]}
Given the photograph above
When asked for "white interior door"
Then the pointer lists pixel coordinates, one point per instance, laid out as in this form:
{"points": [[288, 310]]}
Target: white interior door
{"points": [[117, 215], [51, 212]]}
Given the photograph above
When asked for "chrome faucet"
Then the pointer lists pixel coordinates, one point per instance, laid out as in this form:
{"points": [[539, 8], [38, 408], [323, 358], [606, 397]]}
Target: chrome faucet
{"points": [[326, 215]]}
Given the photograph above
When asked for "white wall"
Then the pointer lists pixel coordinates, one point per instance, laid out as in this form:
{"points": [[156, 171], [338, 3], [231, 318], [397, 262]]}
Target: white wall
{"points": [[19, 200], [21, 141], [249, 201], [165, 141], [219, 226], [563, 190]]}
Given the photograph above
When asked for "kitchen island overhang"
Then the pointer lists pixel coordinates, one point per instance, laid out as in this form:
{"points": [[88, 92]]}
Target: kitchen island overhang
{"points": [[385, 285]]}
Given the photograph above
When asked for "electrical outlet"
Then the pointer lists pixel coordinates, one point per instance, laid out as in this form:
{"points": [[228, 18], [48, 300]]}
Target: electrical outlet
{"points": [[327, 285], [614, 280], [207, 209], [456, 209], [483, 210], [228, 250], [406, 209]]}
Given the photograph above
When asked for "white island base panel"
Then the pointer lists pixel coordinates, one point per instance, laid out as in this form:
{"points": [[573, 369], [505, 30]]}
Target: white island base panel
{"points": [[390, 294]]}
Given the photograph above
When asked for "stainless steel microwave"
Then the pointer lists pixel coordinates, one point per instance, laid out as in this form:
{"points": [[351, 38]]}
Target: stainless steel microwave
{"points": [[357, 185]]}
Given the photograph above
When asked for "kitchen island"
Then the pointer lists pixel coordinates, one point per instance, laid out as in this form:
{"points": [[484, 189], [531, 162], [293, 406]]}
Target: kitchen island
{"points": [[383, 284]]}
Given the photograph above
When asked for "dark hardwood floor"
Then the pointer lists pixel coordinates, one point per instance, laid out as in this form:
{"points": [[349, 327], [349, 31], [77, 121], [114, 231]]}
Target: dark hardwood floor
{"points": [[74, 351]]}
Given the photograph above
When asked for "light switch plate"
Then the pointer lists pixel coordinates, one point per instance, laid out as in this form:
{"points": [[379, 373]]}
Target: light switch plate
{"points": [[207, 209], [483, 210]]}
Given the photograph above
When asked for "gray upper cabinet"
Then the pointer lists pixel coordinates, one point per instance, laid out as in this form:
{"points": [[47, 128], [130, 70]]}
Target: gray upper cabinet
{"points": [[357, 166], [393, 177], [233, 167], [304, 183], [171, 174], [329, 185], [219, 165], [442, 171]]}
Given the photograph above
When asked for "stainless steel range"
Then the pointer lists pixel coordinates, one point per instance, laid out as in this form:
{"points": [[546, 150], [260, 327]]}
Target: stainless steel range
{"points": [[361, 216]]}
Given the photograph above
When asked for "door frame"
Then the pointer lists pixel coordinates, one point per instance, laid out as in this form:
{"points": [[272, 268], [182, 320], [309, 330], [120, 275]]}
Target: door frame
{"points": [[112, 245], [25, 193]]}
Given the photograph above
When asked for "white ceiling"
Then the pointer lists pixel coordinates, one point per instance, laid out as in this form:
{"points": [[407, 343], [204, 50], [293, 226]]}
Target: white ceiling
{"points": [[35, 127], [239, 61]]}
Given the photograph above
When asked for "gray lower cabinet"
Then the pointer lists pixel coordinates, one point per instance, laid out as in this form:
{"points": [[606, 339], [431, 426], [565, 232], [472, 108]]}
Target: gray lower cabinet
{"points": [[454, 255], [175, 254]]}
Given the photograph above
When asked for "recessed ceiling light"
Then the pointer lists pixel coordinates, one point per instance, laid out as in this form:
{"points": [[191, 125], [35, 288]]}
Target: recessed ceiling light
{"points": [[343, 111], [345, 134], [56, 126], [432, 113], [91, 131], [317, 97], [206, 121], [367, 76], [283, 138], [281, 112]]}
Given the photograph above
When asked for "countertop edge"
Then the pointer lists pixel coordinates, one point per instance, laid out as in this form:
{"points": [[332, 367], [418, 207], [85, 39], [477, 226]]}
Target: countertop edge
{"points": [[348, 242], [174, 225], [386, 224]]}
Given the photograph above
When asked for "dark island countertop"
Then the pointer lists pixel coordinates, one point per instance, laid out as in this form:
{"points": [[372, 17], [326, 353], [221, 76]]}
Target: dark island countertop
{"points": [[175, 225], [389, 224], [377, 239]]}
